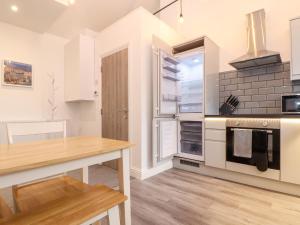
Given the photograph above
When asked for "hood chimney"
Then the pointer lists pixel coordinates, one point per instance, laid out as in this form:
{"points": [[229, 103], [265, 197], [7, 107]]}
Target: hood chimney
{"points": [[257, 54]]}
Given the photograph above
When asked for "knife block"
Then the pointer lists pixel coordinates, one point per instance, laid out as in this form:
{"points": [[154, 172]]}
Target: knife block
{"points": [[227, 108]]}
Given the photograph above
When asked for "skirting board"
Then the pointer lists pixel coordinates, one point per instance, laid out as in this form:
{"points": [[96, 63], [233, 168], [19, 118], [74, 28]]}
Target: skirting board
{"points": [[147, 173], [259, 182]]}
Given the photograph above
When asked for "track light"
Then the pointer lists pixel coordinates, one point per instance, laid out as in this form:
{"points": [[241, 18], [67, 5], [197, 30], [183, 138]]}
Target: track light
{"points": [[181, 19]]}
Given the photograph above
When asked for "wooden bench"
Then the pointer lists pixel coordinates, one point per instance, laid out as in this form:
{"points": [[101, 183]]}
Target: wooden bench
{"points": [[74, 203], [82, 206], [33, 196]]}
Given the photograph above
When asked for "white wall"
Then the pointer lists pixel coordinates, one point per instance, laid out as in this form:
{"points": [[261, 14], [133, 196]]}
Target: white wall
{"points": [[135, 32], [46, 54], [225, 23]]}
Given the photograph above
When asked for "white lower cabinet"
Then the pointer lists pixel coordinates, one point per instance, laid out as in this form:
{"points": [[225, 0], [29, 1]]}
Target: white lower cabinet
{"points": [[216, 135], [215, 154], [215, 143], [290, 150]]}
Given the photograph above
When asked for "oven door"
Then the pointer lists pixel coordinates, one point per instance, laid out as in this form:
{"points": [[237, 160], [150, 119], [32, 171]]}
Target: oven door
{"points": [[291, 104], [273, 148]]}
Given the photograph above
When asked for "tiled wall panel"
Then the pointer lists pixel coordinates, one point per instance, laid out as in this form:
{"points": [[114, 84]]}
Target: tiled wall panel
{"points": [[259, 89]]}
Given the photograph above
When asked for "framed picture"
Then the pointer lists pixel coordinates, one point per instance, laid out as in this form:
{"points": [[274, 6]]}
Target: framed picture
{"points": [[16, 74]]}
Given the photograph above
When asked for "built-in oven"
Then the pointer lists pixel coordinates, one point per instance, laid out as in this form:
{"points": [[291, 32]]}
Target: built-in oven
{"points": [[290, 104], [254, 142]]}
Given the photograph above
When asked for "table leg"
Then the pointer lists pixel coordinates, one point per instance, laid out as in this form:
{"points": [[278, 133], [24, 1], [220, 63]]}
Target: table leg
{"points": [[124, 183]]}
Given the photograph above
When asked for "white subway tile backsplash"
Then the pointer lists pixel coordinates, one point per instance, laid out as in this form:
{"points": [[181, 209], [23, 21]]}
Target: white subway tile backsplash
{"points": [[259, 84], [270, 76], [259, 90]]}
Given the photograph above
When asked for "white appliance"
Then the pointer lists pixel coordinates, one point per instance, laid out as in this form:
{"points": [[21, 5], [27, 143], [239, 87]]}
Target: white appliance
{"points": [[185, 88]]}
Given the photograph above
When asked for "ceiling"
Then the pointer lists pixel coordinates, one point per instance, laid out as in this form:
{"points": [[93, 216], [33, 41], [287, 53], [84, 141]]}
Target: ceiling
{"points": [[31, 14], [66, 21]]}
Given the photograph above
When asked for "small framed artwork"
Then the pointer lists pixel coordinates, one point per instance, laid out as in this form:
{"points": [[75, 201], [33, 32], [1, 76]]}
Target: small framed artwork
{"points": [[16, 74]]}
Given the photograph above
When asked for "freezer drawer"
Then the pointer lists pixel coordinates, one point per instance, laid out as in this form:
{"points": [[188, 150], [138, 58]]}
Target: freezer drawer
{"points": [[191, 136], [191, 126], [191, 147]]}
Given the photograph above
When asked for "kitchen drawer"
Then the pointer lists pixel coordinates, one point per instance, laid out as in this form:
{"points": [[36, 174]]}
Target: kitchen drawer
{"points": [[215, 154], [213, 123], [215, 135]]}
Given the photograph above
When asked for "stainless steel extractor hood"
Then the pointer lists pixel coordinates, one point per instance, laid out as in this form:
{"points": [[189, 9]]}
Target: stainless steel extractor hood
{"points": [[257, 54]]}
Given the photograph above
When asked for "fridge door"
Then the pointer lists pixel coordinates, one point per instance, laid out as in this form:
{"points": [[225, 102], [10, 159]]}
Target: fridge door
{"points": [[165, 80], [165, 139]]}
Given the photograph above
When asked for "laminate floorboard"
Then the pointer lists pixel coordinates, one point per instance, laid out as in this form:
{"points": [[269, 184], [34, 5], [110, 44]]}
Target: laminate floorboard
{"points": [[177, 197]]}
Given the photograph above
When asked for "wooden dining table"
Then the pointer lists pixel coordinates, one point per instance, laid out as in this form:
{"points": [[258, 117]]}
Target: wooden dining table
{"points": [[23, 163]]}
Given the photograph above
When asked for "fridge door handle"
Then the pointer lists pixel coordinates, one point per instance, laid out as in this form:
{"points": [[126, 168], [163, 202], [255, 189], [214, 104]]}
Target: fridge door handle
{"points": [[175, 116]]}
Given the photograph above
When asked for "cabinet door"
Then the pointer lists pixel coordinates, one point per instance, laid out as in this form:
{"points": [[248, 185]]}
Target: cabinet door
{"points": [[295, 51], [165, 77], [215, 154], [165, 139], [80, 69], [290, 150]]}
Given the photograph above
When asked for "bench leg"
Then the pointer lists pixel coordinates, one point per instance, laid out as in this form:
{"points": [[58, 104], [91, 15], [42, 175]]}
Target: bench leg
{"points": [[114, 216], [8, 196], [85, 175]]}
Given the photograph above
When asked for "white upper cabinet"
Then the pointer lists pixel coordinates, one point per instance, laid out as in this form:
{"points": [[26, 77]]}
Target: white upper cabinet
{"points": [[295, 51], [80, 69]]}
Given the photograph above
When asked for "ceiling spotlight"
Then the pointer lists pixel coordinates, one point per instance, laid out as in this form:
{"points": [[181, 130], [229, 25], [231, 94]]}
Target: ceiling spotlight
{"points": [[14, 8], [72, 2]]}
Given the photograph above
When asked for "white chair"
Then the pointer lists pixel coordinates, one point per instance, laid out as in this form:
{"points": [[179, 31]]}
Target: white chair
{"points": [[39, 130], [24, 131]]}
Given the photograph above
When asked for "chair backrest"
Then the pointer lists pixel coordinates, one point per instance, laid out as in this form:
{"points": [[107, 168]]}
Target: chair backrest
{"points": [[22, 129]]}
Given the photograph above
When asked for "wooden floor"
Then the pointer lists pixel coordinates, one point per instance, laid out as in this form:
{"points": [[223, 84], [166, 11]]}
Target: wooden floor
{"points": [[176, 197]]}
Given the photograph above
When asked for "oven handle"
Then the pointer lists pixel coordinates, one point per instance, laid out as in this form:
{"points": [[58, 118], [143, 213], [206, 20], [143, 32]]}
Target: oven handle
{"points": [[268, 131]]}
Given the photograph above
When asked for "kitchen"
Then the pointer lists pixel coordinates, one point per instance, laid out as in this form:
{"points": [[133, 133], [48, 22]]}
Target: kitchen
{"points": [[258, 112], [214, 136]]}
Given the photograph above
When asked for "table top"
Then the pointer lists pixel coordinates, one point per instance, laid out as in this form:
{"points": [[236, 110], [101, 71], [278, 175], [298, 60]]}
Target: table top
{"points": [[25, 156]]}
